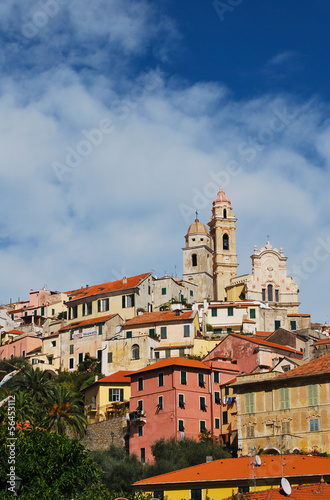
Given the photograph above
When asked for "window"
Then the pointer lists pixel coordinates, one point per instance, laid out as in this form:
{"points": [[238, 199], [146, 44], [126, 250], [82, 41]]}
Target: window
{"points": [[87, 309], [314, 424], [252, 313], [71, 363], [135, 352], [249, 402], [217, 397], [142, 455], [225, 213], [225, 242], [140, 430], [35, 312], [129, 335], [194, 260], [214, 312], [312, 395], [99, 354], [103, 305], [202, 403], [42, 311], [34, 360], [216, 378], [181, 401], [230, 311], [160, 403], [250, 431], [109, 357], [127, 301], [157, 355], [93, 403], [293, 325], [163, 332], [116, 394], [181, 425], [152, 332], [23, 354], [167, 353], [227, 391], [264, 294], [25, 314], [202, 426], [184, 378], [140, 384], [160, 379], [71, 348], [277, 324], [50, 360], [201, 381], [225, 417], [159, 495], [139, 405], [191, 293], [80, 357], [277, 296], [186, 330], [163, 291], [53, 343], [270, 292], [284, 398], [100, 329], [217, 423], [149, 290], [285, 427], [196, 494], [181, 352], [53, 312]]}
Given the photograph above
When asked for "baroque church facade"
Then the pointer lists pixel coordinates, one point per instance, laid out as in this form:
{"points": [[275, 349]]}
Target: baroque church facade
{"points": [[210, 261]]}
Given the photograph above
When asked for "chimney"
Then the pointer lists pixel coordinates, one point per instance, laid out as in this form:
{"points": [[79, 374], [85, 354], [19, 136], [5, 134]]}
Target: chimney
{"points": [[95, 378], [124, 280]]}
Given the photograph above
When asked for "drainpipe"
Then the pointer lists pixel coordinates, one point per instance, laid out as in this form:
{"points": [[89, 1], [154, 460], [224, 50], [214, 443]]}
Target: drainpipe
{"points": [[211, 403]]}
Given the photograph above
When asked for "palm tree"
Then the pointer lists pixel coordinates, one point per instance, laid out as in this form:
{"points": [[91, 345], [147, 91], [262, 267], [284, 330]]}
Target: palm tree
{"points": [[37, 384], [66, 412]]}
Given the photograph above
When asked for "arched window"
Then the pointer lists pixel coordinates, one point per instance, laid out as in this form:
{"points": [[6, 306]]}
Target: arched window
{"points": [[225, 213], [194, 259], [135, 351], [270, 293], [225, 242]]}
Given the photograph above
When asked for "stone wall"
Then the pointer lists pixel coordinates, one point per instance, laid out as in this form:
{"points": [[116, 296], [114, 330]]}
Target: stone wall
{"points": [[99, 435]]}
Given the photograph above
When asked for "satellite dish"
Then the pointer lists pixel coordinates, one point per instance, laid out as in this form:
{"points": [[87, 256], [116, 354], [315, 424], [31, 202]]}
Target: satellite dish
{"points": [[286, 486], [258, 460]]}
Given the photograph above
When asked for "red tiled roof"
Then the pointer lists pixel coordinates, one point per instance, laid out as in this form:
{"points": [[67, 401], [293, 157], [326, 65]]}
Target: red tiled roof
{"points": [[110, 286], [159, 317], [119, 377], [264, 342], [299, 315], [316, 366], [173, 346], [322, 341], [303, 492], [87, 322], [233, 469], [16, 332], [188, 363]]}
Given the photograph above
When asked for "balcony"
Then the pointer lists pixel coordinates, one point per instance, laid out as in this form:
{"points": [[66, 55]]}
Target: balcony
{"points": [[138, 416]]}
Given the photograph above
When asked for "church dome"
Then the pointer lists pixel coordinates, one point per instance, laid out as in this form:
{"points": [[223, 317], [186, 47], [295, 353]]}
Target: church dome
{"points": [[221, 197], [197, 228]]}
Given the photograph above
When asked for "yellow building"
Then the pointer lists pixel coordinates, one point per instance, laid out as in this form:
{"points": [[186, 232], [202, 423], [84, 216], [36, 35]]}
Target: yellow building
{"points": [[218, 479], [289, 411], [108, 397]]}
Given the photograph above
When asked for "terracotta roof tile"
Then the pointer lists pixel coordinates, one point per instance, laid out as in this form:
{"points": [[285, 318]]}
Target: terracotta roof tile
{"points": [[184, 362], [240, 468], [322, 341], [86, 322], [159, 317], [316, 366], [16, 332], [302, 492], [110, 286], [264, 342], [119, 377]]}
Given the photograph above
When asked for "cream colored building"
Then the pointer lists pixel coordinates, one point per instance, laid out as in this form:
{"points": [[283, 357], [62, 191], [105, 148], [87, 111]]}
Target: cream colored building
{"points": [[169, 290], [285, 412]]}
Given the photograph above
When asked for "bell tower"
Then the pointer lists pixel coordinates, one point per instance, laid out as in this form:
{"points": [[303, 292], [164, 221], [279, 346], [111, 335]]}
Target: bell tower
{"points": [[223, 243], [197, 259]]}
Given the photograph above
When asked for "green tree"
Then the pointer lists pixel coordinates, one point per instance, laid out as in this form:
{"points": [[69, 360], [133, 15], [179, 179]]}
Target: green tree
{"points": [[34, 382]]}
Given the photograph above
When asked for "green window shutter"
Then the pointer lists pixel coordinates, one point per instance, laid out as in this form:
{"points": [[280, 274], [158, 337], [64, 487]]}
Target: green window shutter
{"points": [[100, 329], [217, 423], [71, 349], [163, 332], [312, 395], [109, 357], [202, 426], [69, 313], [53, 312], [84, 309], [252, 313], [151, 332], [129, 335], [214, 311], [216, 377], [277, 324], [42, 312], [107, 304], [227, 391], [181, 425], [249, 402], [160, 379], [293, 325], [121, 394], [284, 398], [191, 293], [184, 378], [140, 429], [217, 398], [71, 334], [186, 330], [98, 306], [110, 395], [181, 400], [225, 417], [163, 291], [123, 301], [230, 311], [201, 382], [140, 384]]}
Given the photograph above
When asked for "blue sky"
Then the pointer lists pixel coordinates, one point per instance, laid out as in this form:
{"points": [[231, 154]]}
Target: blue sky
{"points": [[120, 118]]}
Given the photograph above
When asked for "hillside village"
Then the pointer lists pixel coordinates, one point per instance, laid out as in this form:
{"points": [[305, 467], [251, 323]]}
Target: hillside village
{"points": [[211, 352]]}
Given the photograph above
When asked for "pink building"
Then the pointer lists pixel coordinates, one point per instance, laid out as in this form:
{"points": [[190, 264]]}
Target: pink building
{"points": [[176, 397], [20, 347]]}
